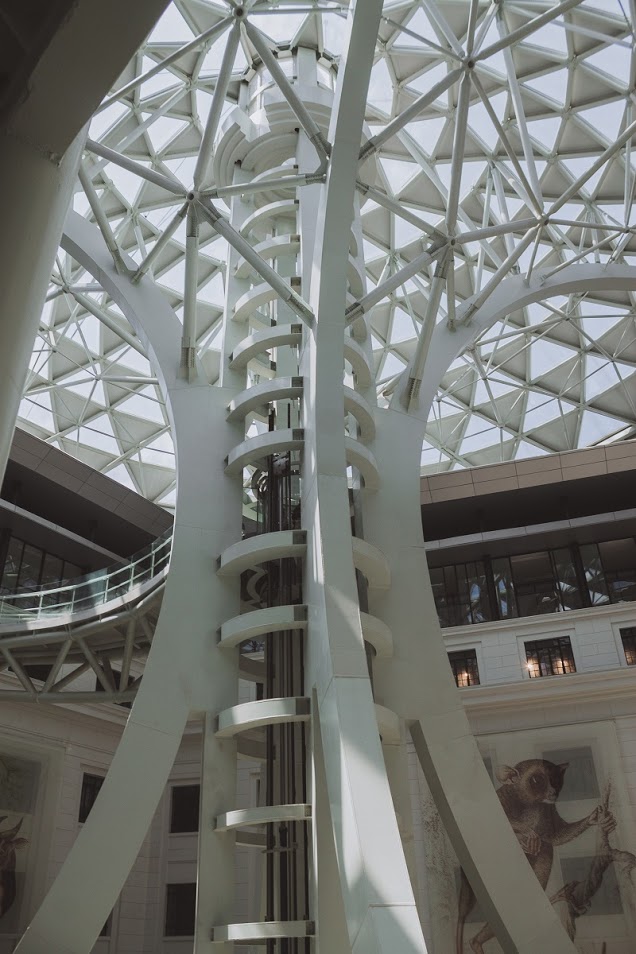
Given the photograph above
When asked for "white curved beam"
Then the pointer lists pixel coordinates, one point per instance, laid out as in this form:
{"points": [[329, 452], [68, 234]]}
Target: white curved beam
{"points": [[511, 295], [182, 676], [374, 880]]}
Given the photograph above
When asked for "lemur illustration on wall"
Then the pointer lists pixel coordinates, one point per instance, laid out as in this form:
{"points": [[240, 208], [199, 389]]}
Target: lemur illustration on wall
{"points": [[528, 795]]}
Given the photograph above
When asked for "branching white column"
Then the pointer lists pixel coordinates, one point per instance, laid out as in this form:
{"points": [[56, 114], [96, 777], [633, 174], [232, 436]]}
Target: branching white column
{"points": [[416, 682], [41, 148], [186, 672], [377, 893], [35, 194]]}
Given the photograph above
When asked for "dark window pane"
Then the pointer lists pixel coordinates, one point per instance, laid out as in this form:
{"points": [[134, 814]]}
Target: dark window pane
{"points": [[566, 579], [184, 808], [70, 571], [504, 588], [180, 907], [478, 598], [461, 594], [107, 929], [594, 575], [464, 666], [550, 657], [12, 566], [619, 562], [30, 568], [91, 785], [628, 636], [51, 569], [579, 781], [535, 585]]}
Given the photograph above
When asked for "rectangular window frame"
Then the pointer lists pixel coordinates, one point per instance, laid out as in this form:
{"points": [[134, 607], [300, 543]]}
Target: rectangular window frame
{"points": [[545, 638], [182, 783], [459, 645], [164, 934], [464, 651], [92, 772], [619, 630]]}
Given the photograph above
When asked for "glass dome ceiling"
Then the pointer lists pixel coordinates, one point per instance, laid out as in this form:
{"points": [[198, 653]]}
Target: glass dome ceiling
{"points": [[534, 126]]}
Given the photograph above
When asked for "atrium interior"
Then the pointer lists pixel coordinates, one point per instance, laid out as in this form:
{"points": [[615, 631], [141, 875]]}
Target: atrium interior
{"points": [[317, 465]]}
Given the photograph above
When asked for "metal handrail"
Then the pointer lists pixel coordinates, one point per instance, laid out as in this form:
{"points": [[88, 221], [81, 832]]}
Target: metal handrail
{"points": [[94, 589]]}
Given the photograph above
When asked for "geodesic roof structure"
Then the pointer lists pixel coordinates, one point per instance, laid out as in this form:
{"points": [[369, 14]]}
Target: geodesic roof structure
{"points": [[503, 137]]}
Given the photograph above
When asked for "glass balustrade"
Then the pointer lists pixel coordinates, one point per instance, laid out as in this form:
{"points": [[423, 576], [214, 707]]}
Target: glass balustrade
{"points": [[93, 590]]}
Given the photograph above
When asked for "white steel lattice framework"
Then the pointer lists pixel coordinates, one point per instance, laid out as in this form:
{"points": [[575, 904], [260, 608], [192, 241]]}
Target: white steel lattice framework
{"points": [[387, 209]]}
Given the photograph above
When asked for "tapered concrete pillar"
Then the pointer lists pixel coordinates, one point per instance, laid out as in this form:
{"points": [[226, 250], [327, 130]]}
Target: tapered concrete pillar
{"points": [[35, 191], [55, 90]]}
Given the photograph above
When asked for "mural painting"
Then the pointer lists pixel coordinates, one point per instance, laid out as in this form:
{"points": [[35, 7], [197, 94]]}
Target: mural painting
{"points": [[528, 794], [564, 791], [19, 782]]}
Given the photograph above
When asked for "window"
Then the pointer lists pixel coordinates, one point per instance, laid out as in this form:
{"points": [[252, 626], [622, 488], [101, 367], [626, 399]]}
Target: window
{"points": [[461, 593], [504, 588], [464, 666], [628, 636], [579, 781], [594, 575], [535, 585], [91, 785], [184, 808], [180, 908], [550, 657], [568, 582], [619, 562]]}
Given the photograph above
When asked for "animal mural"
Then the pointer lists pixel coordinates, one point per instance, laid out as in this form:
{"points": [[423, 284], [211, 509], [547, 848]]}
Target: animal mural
{"points": [[528, 795], [9, 844]]}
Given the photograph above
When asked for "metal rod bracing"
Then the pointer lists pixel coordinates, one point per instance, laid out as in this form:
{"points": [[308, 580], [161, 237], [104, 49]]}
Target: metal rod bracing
{"points": [[68, 698], [359, 308], [99, 671], [101, 218], [602, 159], [523, 31], [264, 185], [459, 144], [109, 322], [305, 118], [161, 242], [426, 331], [416, 107], [491, 231], [210, 34], [57, 665], [422, 39], [216, 107], [242, 246], [536, 204], [582, 254], [157, 178], [70, 677], [515, 94], [472, 22], [189, 336], [401, 210], [500, 274], [441, 26], [24, 680], [129, 647]]}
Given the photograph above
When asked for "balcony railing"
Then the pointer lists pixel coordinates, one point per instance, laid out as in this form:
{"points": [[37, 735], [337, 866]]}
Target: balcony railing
{"points": [[89, 592]]}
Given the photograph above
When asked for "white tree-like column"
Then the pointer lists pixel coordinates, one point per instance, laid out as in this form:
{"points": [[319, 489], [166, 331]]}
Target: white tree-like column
{"points": [[297, 517]]}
